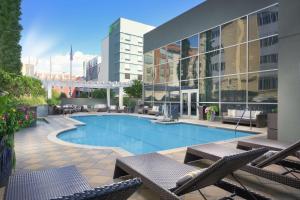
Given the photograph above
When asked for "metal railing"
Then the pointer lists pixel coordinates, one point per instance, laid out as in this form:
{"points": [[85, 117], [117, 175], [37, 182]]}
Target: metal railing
{"points": [[238, 123]]}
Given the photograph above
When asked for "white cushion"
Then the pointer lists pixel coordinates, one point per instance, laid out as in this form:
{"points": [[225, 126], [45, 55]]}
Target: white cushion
{"points": [[85, 107], [146, 107], [100, 106], [238, 113], [231, 113], [155, 108], [122, 107], [113, 107], [247, 114]]}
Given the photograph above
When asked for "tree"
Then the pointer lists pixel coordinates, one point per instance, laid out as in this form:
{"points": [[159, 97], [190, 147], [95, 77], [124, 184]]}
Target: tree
{"points": [[135, 90], [101, 94], [10, 35]]}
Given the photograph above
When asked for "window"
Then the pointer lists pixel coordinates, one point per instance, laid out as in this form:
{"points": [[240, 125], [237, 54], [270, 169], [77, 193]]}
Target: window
{"points": [[140, 59], [173, 51], [234, 32], [209, 90], [234, 60], [189, 68], [263, 23], [210, 40], [140, 77], [189, 46], [127, 76], [127, 57], [262, 87], [209, 64], [263, 54], [233, 88]]}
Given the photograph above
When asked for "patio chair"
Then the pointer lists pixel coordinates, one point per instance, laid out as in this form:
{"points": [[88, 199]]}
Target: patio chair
{"points": [[100, 108], [64, 184], [84, 108], [247, 144], [113, 108], [166, 176], [154, 110], [122, 109], [215, 152]]}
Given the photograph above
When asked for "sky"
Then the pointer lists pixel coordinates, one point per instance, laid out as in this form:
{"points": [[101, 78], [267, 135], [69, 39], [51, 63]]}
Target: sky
{"points": [[50, 27]]}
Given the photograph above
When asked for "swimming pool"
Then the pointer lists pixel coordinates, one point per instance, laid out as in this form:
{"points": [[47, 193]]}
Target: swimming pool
{"points": [[140, 135]]}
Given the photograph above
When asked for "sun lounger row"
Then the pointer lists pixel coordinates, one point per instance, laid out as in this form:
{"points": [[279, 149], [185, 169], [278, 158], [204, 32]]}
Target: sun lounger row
{"points": [[168, 178]]}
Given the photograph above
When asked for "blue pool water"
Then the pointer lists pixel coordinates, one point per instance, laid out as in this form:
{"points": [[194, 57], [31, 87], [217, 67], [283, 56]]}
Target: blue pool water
{"points": [[140, 135]]}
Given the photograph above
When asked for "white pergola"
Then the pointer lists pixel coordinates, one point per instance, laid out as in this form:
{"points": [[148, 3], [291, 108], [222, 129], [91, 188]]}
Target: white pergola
{"points": [[48, 84]]}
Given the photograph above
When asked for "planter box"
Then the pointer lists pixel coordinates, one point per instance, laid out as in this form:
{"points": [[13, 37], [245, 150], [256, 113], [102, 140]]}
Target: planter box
{"points": [[6, 156], [272, 126]]}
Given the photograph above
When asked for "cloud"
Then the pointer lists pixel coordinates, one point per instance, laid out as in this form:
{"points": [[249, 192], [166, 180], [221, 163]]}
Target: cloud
{"points": [[37, 43], [60, 63]]}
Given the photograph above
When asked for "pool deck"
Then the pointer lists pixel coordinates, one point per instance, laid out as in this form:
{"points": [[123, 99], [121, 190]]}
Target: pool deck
{"points": [[34, 151]]}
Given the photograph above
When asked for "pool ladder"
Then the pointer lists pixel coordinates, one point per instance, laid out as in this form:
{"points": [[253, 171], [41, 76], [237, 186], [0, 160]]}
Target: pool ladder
{"points": [[238, 123]]}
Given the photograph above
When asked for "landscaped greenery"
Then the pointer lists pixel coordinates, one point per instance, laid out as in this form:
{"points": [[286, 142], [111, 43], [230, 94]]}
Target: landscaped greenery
{"points": [[101, 94], [135, 90], [10, 35]]}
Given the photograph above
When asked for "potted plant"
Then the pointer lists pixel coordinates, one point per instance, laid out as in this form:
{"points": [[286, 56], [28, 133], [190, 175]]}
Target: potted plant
{"points": [[211, 112]]}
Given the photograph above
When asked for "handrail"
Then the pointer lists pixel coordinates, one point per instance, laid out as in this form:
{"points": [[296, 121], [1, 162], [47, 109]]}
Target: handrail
{"points": [[238, 123]]}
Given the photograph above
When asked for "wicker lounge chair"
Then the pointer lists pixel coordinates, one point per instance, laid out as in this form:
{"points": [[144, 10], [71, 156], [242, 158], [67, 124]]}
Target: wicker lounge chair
{"points": [[113, 108], [214, 152], [248, 144], [100, 108], [64, 183], [161, 174], [122, 109], [154, 110]]}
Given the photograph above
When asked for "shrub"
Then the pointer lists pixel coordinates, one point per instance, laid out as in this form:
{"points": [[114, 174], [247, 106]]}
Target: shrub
{"points": [[135, 90]]}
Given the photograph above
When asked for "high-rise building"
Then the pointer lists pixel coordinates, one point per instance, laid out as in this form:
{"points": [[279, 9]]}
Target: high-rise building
{"points": [[93, 69], [28, 69], [122, 51]]}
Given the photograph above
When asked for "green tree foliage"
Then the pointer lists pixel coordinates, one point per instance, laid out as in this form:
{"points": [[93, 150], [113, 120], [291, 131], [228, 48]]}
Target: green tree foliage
{"points": [[101, 94], [10, 35], [18, 86], [135, 90], [62, 95], [55, 100]]}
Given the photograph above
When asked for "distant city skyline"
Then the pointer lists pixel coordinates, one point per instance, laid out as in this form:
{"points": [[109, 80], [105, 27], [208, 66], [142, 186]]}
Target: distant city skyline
{"points": [[51, 26]]}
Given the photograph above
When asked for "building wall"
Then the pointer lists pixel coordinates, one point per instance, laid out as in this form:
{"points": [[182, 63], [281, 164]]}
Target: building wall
{"points": [[126, 50], [289, 71], [200, 18], [103, 75], [233, 64]]}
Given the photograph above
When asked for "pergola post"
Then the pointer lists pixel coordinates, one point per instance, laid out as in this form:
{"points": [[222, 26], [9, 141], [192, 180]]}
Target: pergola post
{"points": [[49, 91], [108, 97], [121, 96]]}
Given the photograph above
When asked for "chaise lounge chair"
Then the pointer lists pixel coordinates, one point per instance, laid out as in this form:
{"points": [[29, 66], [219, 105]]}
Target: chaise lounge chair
{"points": [[64, 183], [100, 108], [163, 175], [113, 108], [248, 144], [122, 109], [214, 152], [154, 110]]}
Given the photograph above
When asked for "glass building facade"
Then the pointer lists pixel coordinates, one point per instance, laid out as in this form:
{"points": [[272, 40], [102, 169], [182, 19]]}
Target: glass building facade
{"points": [[232, 65]]}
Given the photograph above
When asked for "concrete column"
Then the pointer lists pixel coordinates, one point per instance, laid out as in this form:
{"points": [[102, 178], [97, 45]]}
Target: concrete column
{"points": [[49, 91], [121, 92], [108, 97]]}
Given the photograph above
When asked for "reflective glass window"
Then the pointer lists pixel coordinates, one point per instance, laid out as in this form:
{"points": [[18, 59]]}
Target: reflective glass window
{"points": [[263, 54], [263, 23], [209, 64], [173, 71], [148, 92], [263, 87], [173, 92], [173, 51], [189, 68], [209, 90], [234, 60], [189, 46], [187, 85], [234, 32], [159, 92], [210, 40], [233, 88]]}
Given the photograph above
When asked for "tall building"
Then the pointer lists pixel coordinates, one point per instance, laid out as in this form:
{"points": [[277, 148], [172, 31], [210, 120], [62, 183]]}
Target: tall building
{"points": [[122, 51], [93, 69], [233, 54], [28, 69]]}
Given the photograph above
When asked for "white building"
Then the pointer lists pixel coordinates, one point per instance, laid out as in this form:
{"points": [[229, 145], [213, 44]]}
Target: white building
{"points": [[28, 69], [92, 69], [122, 51]]}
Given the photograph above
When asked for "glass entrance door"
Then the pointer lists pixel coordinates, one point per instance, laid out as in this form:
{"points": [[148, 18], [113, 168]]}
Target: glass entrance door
{"points": [[189, 103]]}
